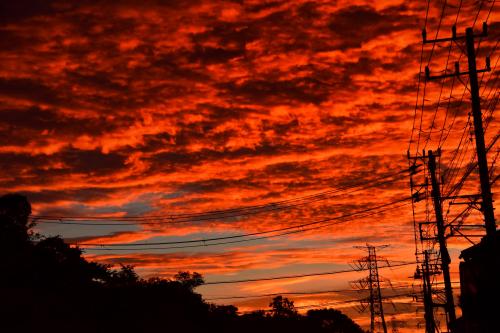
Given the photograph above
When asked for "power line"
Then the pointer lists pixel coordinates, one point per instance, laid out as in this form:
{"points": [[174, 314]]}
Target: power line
{"points": [[441, 142], [103, 248], [455, 189], [425, 81], [230, 210], [455, 169], [462, 153], [446, 68], [418, 85], [346, 302], [451, 89], [367, 210], [298, 293], [437, 31], [309, 293], [301, 275], [220, 214]]}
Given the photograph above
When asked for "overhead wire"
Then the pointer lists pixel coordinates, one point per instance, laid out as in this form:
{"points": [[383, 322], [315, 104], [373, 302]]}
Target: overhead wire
{"points": [[301, 275], [312, 306], [221, 214], [451, 89], [455, 163], [301, 293], [465, 85], [445, 70], [418, 85], [490, 108], [289, 230]]}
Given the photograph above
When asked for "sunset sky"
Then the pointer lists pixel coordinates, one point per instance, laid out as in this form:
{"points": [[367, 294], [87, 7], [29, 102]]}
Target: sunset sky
{"points": [[154, 108]]}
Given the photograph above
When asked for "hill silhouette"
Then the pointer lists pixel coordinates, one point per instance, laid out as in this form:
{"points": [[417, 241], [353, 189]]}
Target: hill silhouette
{"points": [[48, 286]]}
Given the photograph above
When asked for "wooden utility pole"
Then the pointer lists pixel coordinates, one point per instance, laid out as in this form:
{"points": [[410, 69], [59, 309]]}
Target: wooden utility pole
{"points": [[482, 161], [445, 256], [430, 324]]}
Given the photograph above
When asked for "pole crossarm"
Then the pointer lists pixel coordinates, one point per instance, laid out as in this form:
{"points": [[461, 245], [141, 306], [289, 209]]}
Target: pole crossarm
{"points": [[457, 71], [454, 36]]}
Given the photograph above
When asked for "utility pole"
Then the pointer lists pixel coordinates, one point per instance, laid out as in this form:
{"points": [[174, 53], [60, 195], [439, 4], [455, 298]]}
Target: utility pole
{"points": [[445, 256], [430, 324], [372, 283], [487, 200], [434, 232], [487, 204], [424, 273]]}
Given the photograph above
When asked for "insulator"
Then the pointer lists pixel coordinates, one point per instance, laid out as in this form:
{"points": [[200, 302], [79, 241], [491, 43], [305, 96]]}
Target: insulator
{"points": [[413, 169]]}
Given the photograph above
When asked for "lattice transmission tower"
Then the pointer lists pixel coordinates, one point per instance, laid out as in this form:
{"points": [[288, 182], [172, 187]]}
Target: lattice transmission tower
{"points": [[372, 284]]}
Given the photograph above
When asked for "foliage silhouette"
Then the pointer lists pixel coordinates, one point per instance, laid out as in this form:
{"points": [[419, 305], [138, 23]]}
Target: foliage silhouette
{"points": [[189, 280], [330, 320], [48, 286], [282, 307]]}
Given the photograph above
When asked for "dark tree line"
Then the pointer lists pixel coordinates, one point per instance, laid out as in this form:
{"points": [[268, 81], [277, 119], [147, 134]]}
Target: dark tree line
{"points": [[48, 286]]}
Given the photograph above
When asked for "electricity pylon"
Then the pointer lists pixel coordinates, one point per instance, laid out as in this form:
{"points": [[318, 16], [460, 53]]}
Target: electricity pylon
{"points": [[372, 284]]}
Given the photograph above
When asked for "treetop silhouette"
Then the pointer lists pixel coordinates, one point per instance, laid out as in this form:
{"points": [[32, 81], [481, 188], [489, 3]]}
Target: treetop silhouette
{"points": [[49, 286]]}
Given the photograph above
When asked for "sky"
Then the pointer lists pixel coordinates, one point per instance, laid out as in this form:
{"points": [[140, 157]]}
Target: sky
{"points": [[158, 108]]}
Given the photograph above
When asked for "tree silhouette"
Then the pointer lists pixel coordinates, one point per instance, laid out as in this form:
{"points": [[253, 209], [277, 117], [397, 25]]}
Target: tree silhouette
{"points": [[189, 280], [15, 245], [126, 276], [15, 210], [334, 321], [48, 286], [55, 263], [282, 307]]}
